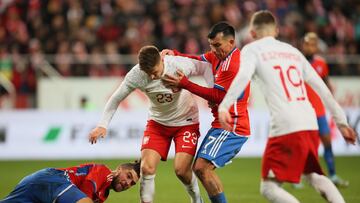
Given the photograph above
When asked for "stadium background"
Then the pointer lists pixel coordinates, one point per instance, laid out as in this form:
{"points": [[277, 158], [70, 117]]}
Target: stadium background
{"points": [[60, 60]]}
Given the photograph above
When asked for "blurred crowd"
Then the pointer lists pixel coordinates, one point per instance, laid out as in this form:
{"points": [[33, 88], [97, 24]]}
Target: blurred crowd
{"points": [[85, 37]]}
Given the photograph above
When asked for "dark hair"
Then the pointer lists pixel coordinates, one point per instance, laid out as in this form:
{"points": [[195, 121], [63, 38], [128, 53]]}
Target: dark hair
{"points": [[221, 27], [148, 57], [263, 17], [132, 166]]}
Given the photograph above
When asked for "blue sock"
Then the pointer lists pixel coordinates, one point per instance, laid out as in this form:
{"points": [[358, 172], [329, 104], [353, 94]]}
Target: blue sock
{"points": [[329, 159], [219, 198]]}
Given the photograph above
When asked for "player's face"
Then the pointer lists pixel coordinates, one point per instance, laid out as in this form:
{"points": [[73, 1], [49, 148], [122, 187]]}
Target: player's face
{"points": [[310, 47], [156, 72], [124, 180], [221, 46]]}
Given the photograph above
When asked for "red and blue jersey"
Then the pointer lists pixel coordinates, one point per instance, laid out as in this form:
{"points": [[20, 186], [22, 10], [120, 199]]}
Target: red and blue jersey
{"points": [[320, 66], [90, 179], [224, 72]]}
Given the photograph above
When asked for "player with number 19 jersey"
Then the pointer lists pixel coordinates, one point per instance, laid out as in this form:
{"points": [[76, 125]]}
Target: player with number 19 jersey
{"points": [[173, 112], [281, 71]]}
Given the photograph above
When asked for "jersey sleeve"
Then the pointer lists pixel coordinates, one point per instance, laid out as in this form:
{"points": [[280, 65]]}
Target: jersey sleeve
{"points": [[207, 57], [210, 94], [192, 67], [246, 71], [128, 85], [313, 79]]}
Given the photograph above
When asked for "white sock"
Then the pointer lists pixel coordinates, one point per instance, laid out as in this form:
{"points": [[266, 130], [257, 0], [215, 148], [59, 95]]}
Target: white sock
{"points": [[193, 190], [273, 192], [325, 187], [147, 188]]}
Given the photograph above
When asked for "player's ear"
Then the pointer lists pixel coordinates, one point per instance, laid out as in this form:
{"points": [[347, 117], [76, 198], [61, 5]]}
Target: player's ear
{"points": [[253, 33]]}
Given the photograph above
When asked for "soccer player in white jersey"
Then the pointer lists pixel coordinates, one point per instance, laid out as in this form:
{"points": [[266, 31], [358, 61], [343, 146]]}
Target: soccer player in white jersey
{"points": [[173, 115], [281, 71]]}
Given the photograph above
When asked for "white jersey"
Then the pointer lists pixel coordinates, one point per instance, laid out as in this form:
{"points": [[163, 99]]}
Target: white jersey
{"points": [[280, 69], [167, 106]]}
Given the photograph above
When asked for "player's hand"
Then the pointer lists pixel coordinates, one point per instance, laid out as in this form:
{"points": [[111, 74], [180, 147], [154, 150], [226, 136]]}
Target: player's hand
{"points": [[165, 52], [171, 81], [225, 120], [348, 134], [96, 133]]}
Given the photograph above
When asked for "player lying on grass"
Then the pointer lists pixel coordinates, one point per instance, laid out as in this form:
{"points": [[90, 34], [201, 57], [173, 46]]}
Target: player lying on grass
{"points": [[86, 183]]}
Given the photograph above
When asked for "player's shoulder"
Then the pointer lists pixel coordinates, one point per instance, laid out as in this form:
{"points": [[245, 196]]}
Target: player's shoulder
{"points": [[135, 72]]}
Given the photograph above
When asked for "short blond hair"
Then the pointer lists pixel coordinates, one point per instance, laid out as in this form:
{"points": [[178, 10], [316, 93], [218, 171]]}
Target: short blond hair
{"points": [[311, 36], [261, 19]]}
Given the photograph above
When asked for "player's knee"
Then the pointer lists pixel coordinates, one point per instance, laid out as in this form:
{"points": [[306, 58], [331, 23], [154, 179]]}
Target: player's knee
{"points": [[315, 179], [199, 169], [147, 169], [267, 187], [181, 171]]}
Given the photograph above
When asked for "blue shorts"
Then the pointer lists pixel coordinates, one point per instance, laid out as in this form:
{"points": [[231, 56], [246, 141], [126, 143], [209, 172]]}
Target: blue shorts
{"points": [[220, 146], [46, 185], [324, 128]]}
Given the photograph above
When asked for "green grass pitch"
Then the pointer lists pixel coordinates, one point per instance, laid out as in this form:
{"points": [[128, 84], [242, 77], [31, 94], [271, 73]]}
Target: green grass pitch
{"points": [[241, 180]]}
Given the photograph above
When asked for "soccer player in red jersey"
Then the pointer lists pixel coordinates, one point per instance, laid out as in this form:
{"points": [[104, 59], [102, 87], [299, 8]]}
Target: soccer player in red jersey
{"points": [[219, 146], [86, 183], [281, 71], [310, 48]]}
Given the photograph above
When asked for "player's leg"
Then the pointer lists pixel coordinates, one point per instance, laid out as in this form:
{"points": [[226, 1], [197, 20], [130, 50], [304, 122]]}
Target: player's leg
{"points": [[217, 149], [155, 147], [185, 146], [271, 189], [149, 161], [283, 161], [325, 187], [314, 175], [22, 191], [182, 166], [324, 131]]}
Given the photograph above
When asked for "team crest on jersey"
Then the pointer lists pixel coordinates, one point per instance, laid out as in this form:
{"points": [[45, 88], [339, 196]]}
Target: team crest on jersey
{"points": [[146, 140]]}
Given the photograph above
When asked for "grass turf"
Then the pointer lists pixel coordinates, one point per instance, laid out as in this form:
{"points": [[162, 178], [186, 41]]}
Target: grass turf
{"points": [[240, 179]]}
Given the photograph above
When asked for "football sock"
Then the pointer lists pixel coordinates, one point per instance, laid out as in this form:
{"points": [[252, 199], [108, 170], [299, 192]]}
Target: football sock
{"points": [[193, 190], [273, 192], [219, 198], [147, 188], [325, 187], [329, 159]]}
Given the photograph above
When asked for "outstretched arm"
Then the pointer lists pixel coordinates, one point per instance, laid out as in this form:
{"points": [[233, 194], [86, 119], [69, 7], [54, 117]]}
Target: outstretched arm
{"points": [[111, 106], [210, 94], [314, 80]]}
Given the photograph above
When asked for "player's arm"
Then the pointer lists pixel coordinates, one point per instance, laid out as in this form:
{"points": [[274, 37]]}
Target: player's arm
{"points": [[210, 94], [127, 86], [238, 85], [314, 80]]}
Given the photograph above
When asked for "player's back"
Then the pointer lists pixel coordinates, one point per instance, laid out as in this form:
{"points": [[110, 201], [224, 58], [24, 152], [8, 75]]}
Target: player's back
{"points": [[78, 174], [279, 71]]}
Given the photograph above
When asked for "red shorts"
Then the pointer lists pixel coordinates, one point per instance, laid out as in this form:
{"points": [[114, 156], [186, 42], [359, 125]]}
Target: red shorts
{"points": [[287, 157], [158, 137]]}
